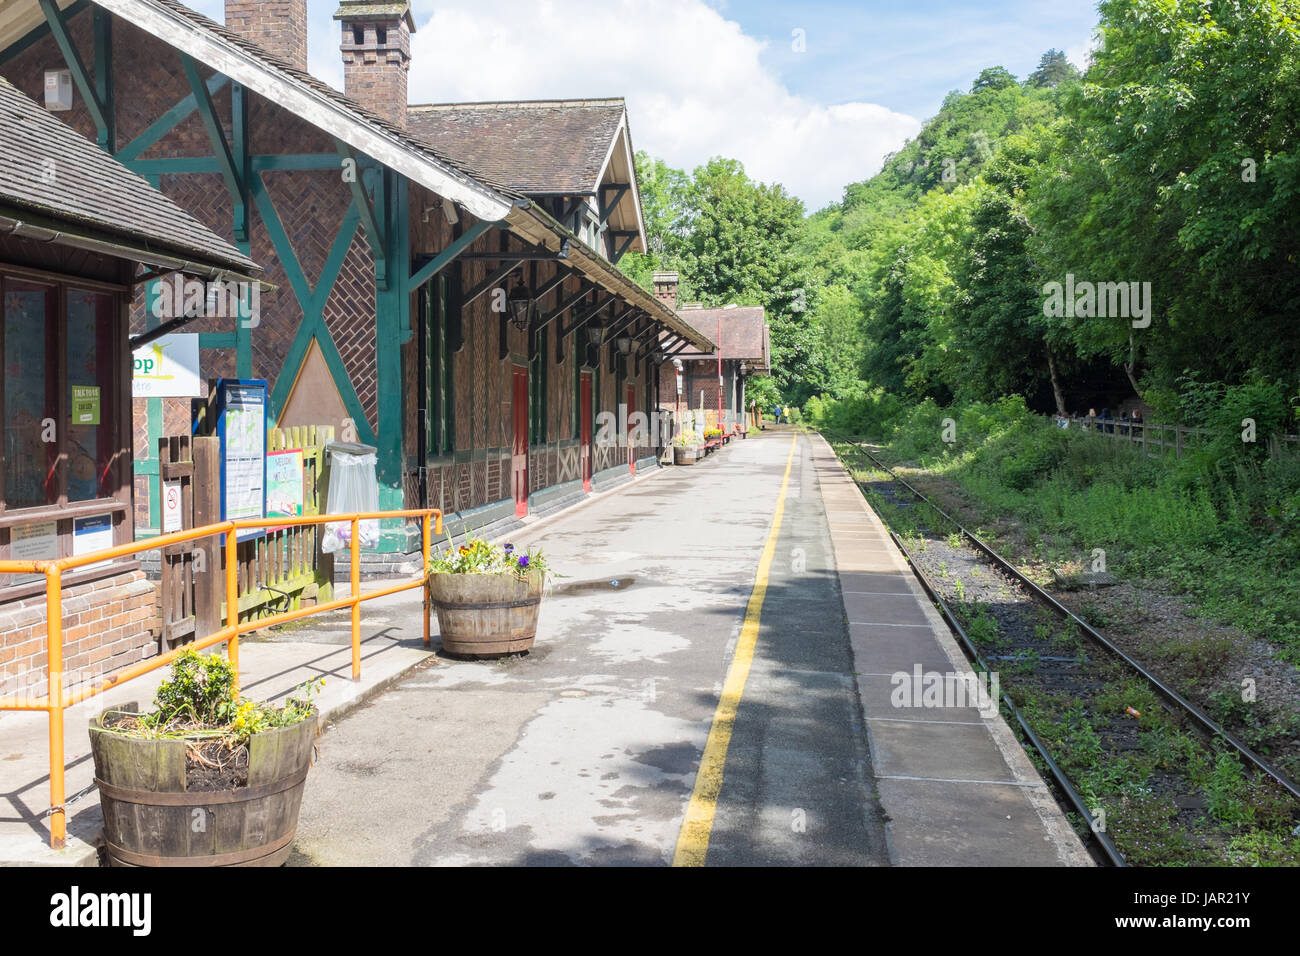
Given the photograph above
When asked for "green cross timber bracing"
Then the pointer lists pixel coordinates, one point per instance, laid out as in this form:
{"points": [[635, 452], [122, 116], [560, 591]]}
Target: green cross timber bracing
{"points": [[312, 302], [86, 84], [39, 33], [365, 209], [232, 167]]}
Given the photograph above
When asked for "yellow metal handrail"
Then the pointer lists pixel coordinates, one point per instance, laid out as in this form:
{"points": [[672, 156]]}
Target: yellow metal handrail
{"points": [[56, 701]]}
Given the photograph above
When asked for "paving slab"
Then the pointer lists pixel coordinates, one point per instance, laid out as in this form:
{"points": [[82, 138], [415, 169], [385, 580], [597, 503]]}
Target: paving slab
{"points": [[956, 787], [941, 823]]}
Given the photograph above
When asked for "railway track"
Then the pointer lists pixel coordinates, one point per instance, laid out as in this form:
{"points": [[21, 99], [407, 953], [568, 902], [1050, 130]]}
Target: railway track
{"points": [[1064, 685]]}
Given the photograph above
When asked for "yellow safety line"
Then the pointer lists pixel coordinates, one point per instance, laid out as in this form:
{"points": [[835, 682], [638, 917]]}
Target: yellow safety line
{"points": [[697, 826]]}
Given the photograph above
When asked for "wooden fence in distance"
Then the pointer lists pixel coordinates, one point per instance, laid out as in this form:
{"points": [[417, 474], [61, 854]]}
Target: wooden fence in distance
{"points": [[1156, 439]]}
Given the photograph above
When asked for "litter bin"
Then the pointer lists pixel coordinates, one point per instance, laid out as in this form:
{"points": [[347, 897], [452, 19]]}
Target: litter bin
{"points": [[353, 487]]}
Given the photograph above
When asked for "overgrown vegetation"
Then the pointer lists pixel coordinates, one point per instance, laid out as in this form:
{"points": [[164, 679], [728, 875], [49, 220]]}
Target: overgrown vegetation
{"points": [[1223, 530]]}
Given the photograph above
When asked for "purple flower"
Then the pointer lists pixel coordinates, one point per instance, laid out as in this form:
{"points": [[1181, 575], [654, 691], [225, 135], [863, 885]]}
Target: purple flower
{"points": [[509, 548], [523, 560]]}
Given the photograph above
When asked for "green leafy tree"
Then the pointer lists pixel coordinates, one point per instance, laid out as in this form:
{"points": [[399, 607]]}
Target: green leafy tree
{"points": [[1054, 69]]}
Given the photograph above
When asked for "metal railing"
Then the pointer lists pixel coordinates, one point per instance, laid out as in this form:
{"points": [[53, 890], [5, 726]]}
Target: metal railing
{"points": [[57, 701]]}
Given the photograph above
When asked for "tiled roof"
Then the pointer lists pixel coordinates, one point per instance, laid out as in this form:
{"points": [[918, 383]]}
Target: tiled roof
{"points": [[324, 89], [542, 146], [52, 171], [744, 332]]}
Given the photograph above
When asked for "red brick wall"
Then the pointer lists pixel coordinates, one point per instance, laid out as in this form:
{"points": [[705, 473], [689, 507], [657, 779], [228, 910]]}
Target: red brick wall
{"points": [[374, 73], [278, 26], [107, 625]]}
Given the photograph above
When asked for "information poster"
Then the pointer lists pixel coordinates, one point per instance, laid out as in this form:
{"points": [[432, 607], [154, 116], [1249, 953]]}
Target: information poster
{"points": [[284, 484], [90, 535], [241, 427], [85, 404], [35, 542]]}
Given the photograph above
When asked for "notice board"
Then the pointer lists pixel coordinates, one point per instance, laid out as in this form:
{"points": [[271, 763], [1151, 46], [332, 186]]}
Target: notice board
{"points": [[241, 428]]}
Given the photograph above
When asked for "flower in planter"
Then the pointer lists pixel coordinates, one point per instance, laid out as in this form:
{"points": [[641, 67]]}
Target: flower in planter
{"points": [[477, 556], [200, 705]]}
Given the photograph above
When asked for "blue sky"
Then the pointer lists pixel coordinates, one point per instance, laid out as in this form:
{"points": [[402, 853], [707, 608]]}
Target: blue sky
{"points": [[721, 77], [909, 55]]}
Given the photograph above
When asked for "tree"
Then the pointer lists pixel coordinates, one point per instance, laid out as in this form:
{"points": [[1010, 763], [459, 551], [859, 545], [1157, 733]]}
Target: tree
{"points": [[994, 78], [1053, 70]]}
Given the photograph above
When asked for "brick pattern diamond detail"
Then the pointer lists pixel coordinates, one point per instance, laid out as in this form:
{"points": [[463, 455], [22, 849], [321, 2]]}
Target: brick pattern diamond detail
{"points": [[350, 318]]}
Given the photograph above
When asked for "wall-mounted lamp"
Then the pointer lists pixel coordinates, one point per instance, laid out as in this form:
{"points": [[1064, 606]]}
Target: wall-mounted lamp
{"points": [[624, 343], [520, 303], [595, 332]]}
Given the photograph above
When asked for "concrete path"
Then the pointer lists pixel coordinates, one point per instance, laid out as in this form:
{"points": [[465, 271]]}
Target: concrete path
{"points": [[957, 787], [586, 751]]}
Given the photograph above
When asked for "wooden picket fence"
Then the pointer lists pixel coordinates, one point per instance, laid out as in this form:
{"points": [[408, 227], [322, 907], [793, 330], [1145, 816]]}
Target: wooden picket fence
{"points": [[283, 568], [1156, 439]]}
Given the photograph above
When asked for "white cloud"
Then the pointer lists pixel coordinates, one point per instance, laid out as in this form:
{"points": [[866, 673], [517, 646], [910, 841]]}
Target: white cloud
{"points": [[694, 83]]}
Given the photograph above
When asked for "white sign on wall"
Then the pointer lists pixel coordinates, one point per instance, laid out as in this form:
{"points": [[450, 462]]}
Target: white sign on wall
{"points": [[168, 368], [171, 511]]}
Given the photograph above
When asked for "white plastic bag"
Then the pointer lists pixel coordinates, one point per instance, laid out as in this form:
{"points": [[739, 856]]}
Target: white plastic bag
{"points": [[353, 488]]}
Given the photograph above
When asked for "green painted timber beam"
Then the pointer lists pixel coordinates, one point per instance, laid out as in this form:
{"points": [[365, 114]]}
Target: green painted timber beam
{"points": [[607, 207], [585, 316], [106, 138], [38, 34], [566, 305], [365, 210], [493, 280], [622, 250], [210, 164], [167, 122], [236, 184], [239, 154], [448, 255], [54, 18]]}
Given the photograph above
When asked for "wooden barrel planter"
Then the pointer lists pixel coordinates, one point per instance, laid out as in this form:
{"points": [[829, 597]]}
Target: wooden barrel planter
{"points": [[150, 819], [487, 614], [685, 454]]}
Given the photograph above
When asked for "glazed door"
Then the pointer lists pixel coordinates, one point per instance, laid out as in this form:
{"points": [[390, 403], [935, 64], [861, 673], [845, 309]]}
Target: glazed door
{"points": [[631, 408], [519, 458], [584, 412]]}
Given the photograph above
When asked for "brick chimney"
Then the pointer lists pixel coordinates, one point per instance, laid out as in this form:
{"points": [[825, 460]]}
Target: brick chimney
{"points": [[377, 55], [277, 26], [666, 288]]}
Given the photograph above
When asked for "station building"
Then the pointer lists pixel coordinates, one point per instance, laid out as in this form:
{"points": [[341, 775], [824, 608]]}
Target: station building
{"points": [[444, 278], [78, 234], [689, 378]]}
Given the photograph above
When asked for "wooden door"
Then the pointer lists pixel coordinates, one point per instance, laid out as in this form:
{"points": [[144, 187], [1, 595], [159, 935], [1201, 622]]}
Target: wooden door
{"points": [[519, 459], [631, 408], [585, 417]]}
